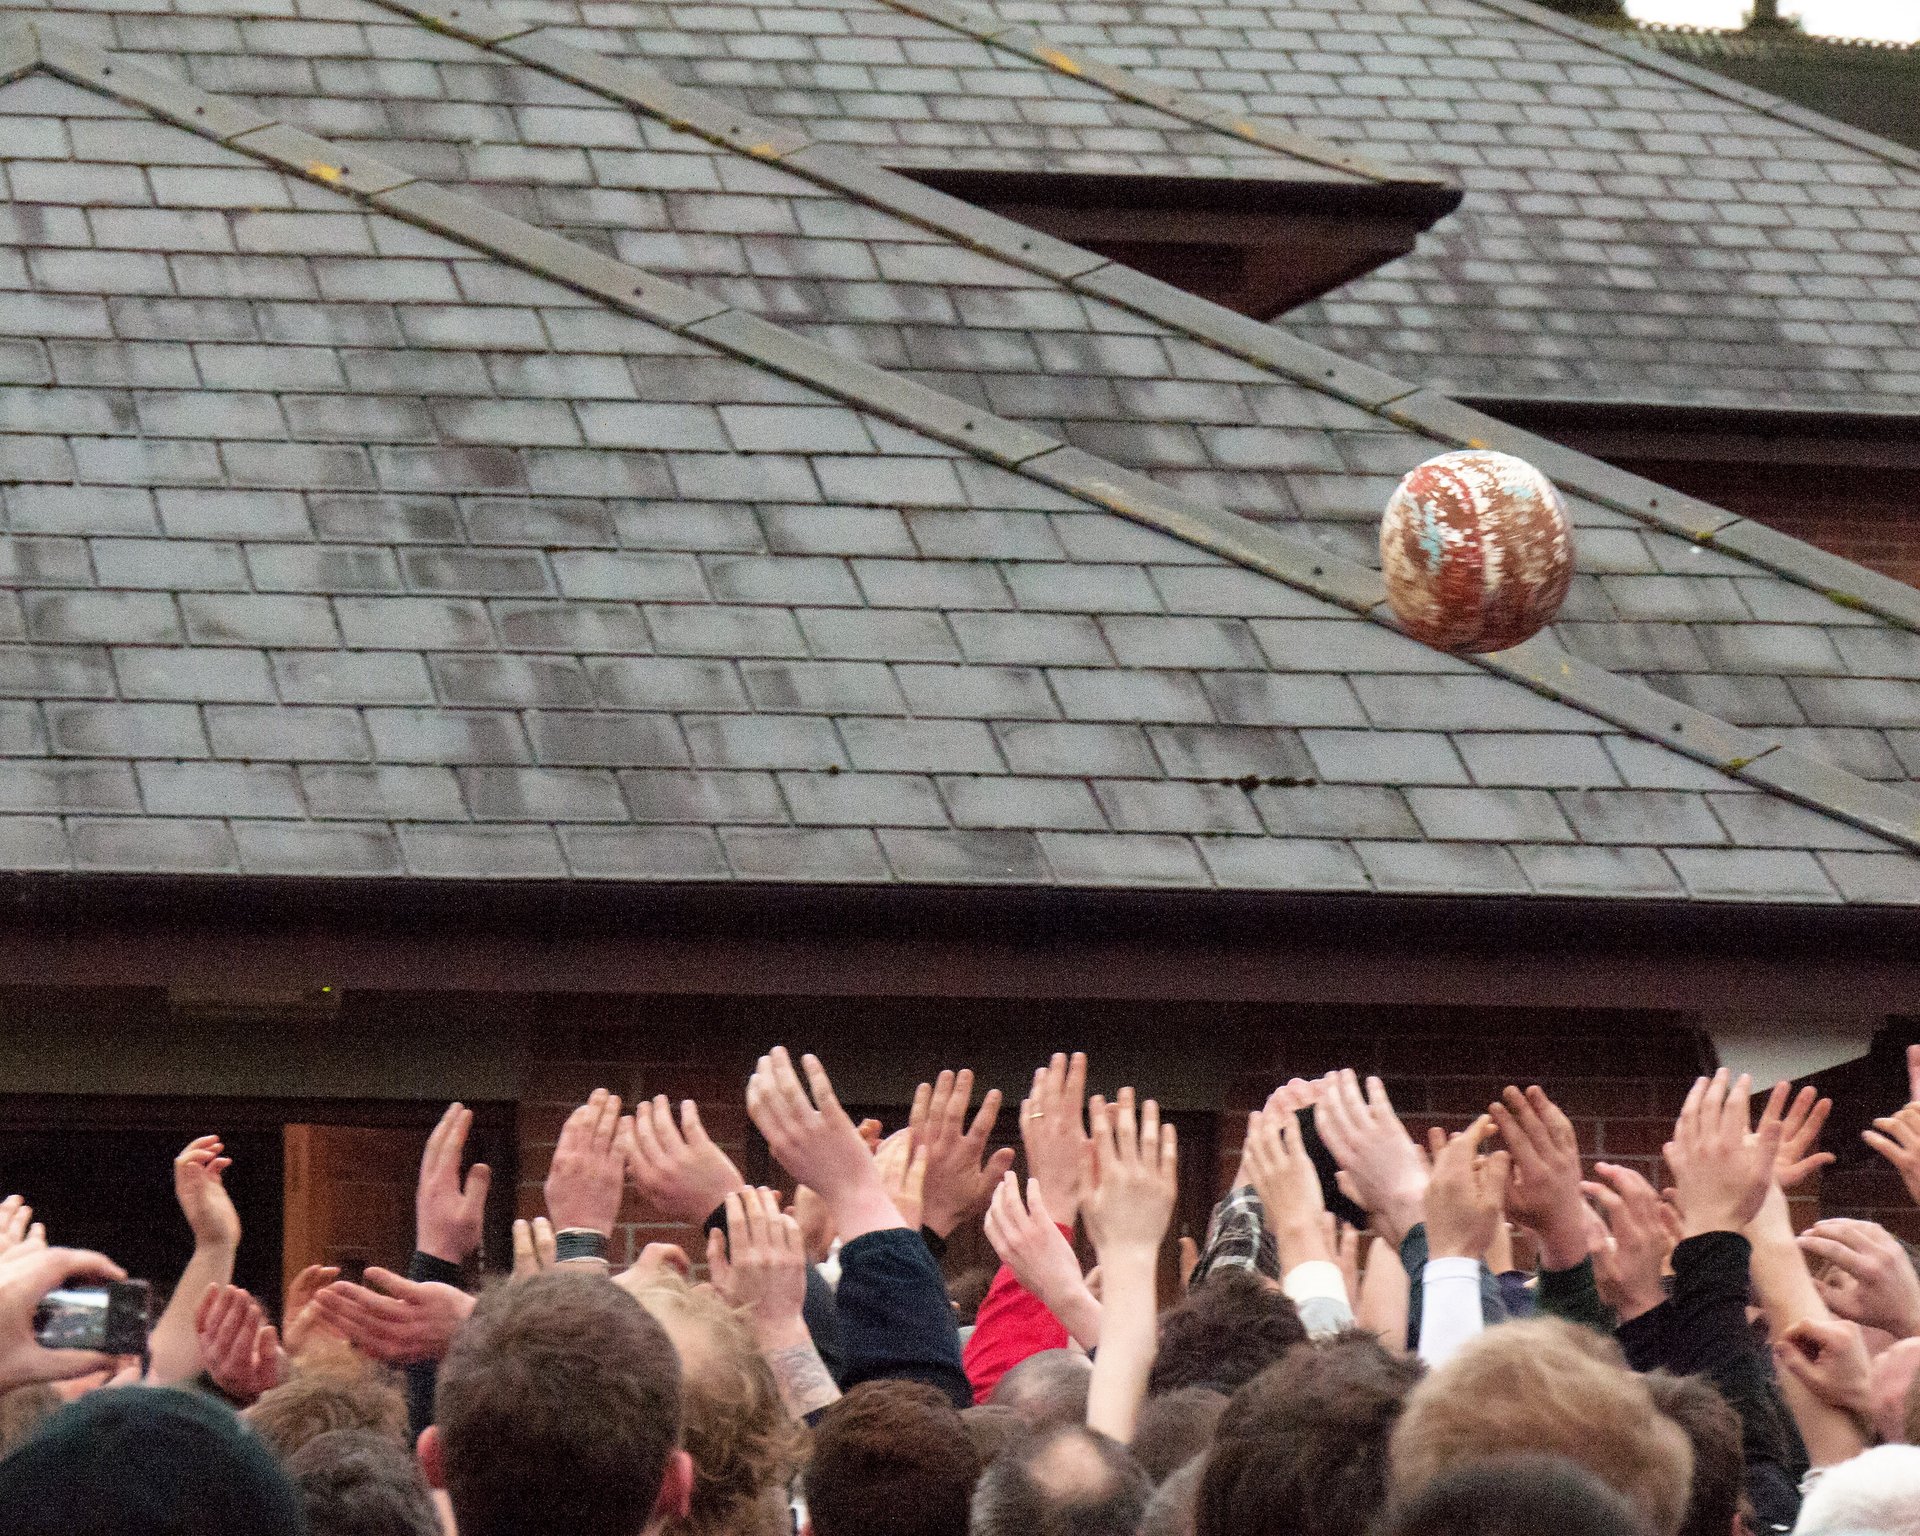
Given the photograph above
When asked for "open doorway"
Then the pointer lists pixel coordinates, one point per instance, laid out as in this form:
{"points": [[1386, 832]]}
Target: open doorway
{"points": [[314, 1180]]}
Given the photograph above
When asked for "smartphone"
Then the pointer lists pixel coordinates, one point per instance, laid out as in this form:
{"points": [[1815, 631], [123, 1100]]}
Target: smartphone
{"points": [[112, 1318]]}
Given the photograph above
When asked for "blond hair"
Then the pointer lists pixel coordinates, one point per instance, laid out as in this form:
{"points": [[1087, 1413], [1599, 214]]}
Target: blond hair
{"points": [[745, 1447], [1547, 1386]]}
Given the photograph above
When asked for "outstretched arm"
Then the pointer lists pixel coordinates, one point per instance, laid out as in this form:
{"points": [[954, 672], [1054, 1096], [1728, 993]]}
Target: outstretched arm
{"points": [[209, 1211], [1128, 1207]]}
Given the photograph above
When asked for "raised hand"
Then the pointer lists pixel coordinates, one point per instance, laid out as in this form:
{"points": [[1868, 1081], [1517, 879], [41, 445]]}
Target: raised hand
{"points": [[584, 1181], [1896, 1137], [533, 1247], [961, 1178], [818, 1143], [1870, 1280], [202, 1193], [1543, 1189], [1800, 1123], [816, 1223], [26, 1275], [448, 1217], [902, 1162], [656, 1259], [18, 1230], [1386, 1175], [1284, 1177], [760, 1265], [1829, 1359], [1129, 1202], [239, 1348], [1722, 1168], [1627, 1269], [1465, 1192], [394, 1319], [1030, 1243], [678, 1170], [301, 1324], [1053, 1129]]}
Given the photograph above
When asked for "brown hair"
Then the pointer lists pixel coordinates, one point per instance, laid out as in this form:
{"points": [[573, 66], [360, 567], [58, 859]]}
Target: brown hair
{"points": [[1072, 1481], [355, 1482], [1302, 1447], [291, 1414], [1224, 1333], [558, 1410], [1543, 1386], [891, 1458], [1719, 1462], [742, 1440], [1175, 1427]]}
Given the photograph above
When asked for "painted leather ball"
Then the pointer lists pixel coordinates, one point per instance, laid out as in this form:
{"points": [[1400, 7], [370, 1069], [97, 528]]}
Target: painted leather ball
{"points": [[1476, 550]]}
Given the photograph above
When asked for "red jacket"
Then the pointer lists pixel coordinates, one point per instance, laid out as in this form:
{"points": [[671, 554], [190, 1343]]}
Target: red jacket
{"points": [[1011, 1324]]}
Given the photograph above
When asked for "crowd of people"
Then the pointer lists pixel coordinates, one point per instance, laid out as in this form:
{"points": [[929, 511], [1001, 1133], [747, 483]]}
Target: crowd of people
{"points": [[1481, 1336]]}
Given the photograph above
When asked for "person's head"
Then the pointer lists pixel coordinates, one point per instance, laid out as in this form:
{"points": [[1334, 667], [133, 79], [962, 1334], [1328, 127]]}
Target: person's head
{"points": [[1224, 1333], [1719, 1461], [992, 1428], [967, 1290], [358, 1482], [1546, 1386], [1047, 1388], [558, 1410], [1301, 1450], [1170, 1511], [1175, 1427], [291, 1414], [891, 1458], [1071, 1481], [1877, 1493], [1515, 1496], [145, 1461], [743, 1442]]}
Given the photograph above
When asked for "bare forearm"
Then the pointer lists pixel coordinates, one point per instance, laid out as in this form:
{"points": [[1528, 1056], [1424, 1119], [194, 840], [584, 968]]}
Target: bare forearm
{"points": [[798, 1371], [1781, 1282], [1128, 1340], [175, 1345], [1079, 1313]]}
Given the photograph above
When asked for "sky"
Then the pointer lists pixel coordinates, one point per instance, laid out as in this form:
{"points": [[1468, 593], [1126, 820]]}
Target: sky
{"points": [[1897, 20]]}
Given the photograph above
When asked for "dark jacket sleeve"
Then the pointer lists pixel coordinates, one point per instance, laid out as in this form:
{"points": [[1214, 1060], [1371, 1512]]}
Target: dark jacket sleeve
{"points": [[423, 1376], [895, 1317], [1571, 1294], [1701, 1329]]}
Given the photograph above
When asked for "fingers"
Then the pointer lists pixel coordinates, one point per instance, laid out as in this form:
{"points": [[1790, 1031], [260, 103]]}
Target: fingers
{"points": [[693, 1130], [1913, 1074], [1076, 1086], [921, 1110], [717, 1265], [822, 1086], [983, 1122], [524, 1263]]}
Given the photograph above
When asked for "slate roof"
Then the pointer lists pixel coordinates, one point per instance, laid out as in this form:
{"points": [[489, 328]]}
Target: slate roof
{"points": [[347, 549], [1635, 228]]}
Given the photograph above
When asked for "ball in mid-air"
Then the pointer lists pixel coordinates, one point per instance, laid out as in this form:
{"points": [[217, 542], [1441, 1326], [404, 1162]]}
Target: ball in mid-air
{"points": [[1476, 550]]}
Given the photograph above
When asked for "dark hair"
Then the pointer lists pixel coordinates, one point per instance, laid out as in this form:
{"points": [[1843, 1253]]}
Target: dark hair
{"points": [[1047, 1388], [1719, 1462], [291, 1414], [1514, 1496], [891, 1458], [1224, 1333], [558, 1409], [1170, 1511], [967, 1290], [1175, 1427], [992, 1427], [357, 1482], [1302, 1448], [1071, 1482]]}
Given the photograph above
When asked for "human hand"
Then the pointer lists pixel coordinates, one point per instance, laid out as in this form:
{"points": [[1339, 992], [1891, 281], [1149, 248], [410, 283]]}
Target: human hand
{"points": [[1896, 1137], [394, 1319], [1386, 1175], [1800, 1123], [816, 1223], [818, 1143], [1284, 1177], [26, 1275], [202, 1194], [1294, 1094], [1721, 1168], [760, 1265], [1030, 1243], [19, 1232], [1465, 1191], [584, 1182], [678, 1170], [1627, 1269], [1543, 1190], [300, 1319], [1870, 1280], [533, 1247], [1053, 1130], [1829, 1358], [902, 1162], [1134, 1180], [961, 1178], [656, 1259], [239, 1348], [448, 1218]]}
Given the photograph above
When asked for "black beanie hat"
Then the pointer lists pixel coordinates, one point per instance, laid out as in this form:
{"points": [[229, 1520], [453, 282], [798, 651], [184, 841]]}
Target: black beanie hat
{"points": [[146, 1461]]}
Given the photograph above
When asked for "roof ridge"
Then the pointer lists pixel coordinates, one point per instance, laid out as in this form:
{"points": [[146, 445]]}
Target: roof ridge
{"points": [[1662, 62], [1842, 581], [1537, 664], [1185, 105]]}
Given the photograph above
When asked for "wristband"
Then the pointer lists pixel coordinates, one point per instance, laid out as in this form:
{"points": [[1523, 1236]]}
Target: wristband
{"points": [[579, 1243]]}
